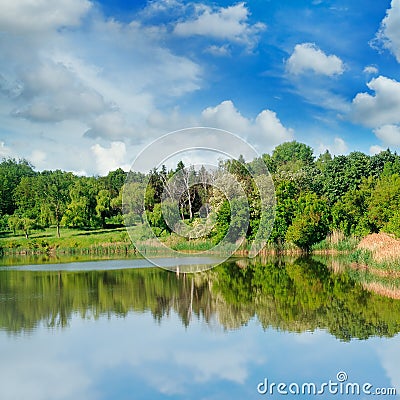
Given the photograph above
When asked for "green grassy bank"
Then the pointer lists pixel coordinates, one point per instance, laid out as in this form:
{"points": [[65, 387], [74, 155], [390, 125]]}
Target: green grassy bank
{"points": [[71, 241]]}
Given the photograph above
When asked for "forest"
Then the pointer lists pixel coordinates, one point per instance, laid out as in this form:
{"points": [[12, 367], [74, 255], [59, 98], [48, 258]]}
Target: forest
{"points": [[354, 194]]}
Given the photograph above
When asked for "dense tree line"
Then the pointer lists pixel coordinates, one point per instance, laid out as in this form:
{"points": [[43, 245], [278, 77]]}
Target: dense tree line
{"points": [[355, 194], [33, 200]]}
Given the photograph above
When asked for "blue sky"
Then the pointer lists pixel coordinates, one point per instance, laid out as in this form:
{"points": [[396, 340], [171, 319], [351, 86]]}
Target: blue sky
{"points": [[85, 85]]}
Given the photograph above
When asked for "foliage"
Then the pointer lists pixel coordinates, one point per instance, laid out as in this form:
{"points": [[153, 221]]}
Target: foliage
{"points": [[294, 153], [354, 194], [11, 173], [310, 223]]}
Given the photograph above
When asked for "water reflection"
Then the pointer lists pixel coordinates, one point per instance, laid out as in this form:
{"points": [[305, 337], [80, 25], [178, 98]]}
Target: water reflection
{"points": [[295, 295], [150, 334]]}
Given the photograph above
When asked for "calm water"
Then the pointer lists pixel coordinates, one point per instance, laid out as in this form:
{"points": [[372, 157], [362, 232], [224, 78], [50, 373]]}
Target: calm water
{"points": [[79, 332]]}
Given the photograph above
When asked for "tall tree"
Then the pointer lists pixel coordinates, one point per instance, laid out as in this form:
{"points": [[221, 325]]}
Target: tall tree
{"points": [[11, 173], [56, 186], [103, 206], [310, 224], [134, 201], [293, 153]]}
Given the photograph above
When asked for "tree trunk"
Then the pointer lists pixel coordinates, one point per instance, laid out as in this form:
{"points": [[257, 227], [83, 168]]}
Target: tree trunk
{"points": [[58, 222], [190, 205]]}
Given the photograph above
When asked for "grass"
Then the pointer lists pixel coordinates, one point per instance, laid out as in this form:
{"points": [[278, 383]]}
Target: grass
{"points": [[364, 257], [117, 241], [337, 241], [72, 241]]}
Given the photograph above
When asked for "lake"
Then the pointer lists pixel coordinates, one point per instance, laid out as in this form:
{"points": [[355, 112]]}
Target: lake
{"points": [[270, 328]]}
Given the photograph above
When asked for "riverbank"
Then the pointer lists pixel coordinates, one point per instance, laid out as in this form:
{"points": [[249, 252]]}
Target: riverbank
{"points": [[380, 251], [71, 241]]}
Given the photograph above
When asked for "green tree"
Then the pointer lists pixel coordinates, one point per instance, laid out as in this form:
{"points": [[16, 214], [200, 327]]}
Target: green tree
{"points": [[22, 223], [384, 202], [103, 206], [134, 201], [14, 223], [350, 212], [378, 161], [156, 220], [286, 203], [293, 153], [27, 197], [11, 173], [27, 225], [56, 185], [81, 211], [344, 173], [114, 181], [223, 220], [393, 225], [310, 224]]}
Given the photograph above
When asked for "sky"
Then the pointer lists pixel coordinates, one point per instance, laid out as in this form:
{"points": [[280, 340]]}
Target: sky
{"points": [[86, 85]]}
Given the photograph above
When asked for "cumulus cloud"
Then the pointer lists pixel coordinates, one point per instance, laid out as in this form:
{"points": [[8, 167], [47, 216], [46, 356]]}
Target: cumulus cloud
{"points": [[371, 70], [388, 35], [225, 116], [375, 149], [389, 134], [269, 127], [222, 23], [382, 108], [266, 129], [338, 146], [111, 158], [308, 57], [27, 16]]}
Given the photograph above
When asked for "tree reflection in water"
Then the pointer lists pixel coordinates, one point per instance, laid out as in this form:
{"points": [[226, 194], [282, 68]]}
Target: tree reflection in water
{"points": [[288, 294]]}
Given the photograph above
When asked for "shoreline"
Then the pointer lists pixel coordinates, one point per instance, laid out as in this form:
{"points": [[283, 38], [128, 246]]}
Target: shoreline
{"points": [[365, 254]]}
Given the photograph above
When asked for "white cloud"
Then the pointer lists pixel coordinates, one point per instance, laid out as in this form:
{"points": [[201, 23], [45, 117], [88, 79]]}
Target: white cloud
{"points": [[225, 116], [375, 149], [371, 70], [222, 23], [51, 92], [389, 33], [269, 127], [109, 159], [389, 134], [62, 89], [66, 377], [308, 57], [266, 129], [4, 150], [388, 353], [111, 125], [37, 158], [338, 146], [219, 51], [27, 16], [383, 108]]}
